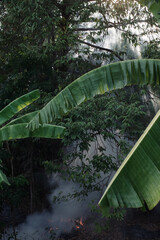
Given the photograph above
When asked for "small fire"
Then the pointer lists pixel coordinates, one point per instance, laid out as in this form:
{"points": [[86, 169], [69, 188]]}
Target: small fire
{"points": [[75, 223], [79, 223]]}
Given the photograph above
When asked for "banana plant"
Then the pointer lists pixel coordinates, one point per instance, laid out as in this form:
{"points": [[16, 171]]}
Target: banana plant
{"points": [[17, 128], [137, 182]]}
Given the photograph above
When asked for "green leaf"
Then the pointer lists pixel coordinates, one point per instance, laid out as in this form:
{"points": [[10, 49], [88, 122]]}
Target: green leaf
{"points": [[17, 105], [20, 131], [137, 181], [23, 119], [17, 129], [104, 79]]}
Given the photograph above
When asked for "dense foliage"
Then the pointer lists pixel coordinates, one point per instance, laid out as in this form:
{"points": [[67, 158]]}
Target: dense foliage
{"points": [[46, 45], [99, 134]]}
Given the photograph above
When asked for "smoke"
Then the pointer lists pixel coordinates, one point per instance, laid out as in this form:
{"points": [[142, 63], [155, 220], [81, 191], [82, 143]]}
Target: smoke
{"points": [[60, 219]]}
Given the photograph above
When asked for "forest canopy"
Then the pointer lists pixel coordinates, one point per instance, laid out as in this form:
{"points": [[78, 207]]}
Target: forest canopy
{"points": [[47, 44]]}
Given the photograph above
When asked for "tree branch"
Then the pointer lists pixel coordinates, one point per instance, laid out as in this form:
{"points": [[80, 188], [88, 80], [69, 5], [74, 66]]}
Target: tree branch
{"points": [[86, 29], [102, 48]]}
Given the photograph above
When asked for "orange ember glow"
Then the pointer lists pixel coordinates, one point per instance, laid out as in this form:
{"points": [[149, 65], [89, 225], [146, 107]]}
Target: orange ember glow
{"points": [[81, 223], [78, 224]]}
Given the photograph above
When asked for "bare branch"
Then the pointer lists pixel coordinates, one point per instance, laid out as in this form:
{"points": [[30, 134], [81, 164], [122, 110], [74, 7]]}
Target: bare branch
{"points": [[86, 29], [102, 48]]}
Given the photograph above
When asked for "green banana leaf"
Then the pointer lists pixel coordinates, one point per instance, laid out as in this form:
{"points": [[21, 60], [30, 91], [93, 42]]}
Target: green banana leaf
{"points": [[17, 129], [104, 79], [23, 119], [137, 181], [153, 6], [17, 105], [20, 131]]}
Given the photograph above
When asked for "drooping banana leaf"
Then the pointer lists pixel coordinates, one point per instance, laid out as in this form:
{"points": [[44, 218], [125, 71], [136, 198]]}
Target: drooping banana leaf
{"points": [[17, 129], [144, 184], [47, 131], [137, 181], [17, 105], [104, 79], [153, 6], [20, 131], [23, 119]]}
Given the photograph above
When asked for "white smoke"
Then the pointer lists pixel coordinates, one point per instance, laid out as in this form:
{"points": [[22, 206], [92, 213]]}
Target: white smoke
{"points": [[62, 218]]}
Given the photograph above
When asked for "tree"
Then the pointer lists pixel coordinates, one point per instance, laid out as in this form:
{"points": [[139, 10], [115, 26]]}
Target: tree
{"points": [[46, 45], [153, 6], [98, 134]]}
